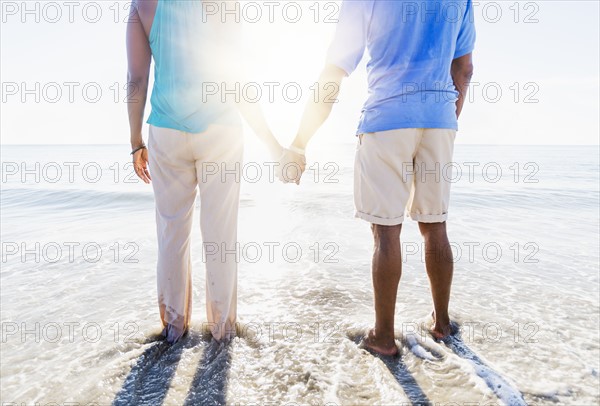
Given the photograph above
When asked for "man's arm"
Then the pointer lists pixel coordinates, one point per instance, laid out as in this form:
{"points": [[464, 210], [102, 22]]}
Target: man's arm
{"points": [[315, 113], [461, 71], [138, 68], [343, 56]]}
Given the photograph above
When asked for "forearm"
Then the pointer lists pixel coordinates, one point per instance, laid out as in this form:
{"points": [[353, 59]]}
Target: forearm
{"points": [[461, 83], [233, 74], [137, 91], [317, 112], [461, 71], [313, 118], [252, 113]]}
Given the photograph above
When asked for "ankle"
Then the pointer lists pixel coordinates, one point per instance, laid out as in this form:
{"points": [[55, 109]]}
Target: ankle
{"points": [[440, 320], [382, 334]]}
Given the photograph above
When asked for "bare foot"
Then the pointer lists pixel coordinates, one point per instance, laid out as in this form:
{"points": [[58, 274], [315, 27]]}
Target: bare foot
{"points": [[439, 331], [379, 346]]}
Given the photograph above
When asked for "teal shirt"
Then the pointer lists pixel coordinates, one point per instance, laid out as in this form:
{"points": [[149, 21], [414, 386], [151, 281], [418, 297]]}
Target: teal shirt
{"points": [[188, 60]]}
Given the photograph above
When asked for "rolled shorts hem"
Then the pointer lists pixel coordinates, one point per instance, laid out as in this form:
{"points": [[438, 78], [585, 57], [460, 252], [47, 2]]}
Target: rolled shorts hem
{"points": [[429, 218], [382, 221]]}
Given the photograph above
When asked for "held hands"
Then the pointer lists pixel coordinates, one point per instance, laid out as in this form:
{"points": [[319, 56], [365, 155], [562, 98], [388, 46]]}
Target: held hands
{"points": [[292, 164]]}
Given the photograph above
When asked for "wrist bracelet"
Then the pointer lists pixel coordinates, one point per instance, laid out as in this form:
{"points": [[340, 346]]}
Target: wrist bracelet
{"points": [[137, 149], [297, 150]]}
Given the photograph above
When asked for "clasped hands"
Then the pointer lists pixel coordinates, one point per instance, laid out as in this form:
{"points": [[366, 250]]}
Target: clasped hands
{"points": [[291, 165]]}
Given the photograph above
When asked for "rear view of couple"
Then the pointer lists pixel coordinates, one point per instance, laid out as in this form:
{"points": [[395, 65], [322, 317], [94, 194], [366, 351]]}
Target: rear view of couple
{"points": [[419, 68]]}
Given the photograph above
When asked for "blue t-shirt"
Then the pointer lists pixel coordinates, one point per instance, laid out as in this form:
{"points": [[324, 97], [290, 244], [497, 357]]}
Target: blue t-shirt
{"points": [[411, 46]]}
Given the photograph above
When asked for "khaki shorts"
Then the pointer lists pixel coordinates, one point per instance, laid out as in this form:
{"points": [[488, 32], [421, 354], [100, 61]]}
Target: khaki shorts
{"points": [[406, 169]]}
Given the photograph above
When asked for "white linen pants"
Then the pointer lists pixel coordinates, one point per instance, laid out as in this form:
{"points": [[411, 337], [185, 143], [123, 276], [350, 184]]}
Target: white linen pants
{"points": [[180, 163]]}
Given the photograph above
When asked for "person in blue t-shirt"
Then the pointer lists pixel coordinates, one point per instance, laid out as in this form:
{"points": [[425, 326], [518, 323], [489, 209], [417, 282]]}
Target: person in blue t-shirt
{"points": [[419, 67]]}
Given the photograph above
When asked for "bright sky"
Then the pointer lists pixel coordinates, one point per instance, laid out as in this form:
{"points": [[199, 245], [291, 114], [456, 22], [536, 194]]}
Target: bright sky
{"points": [[543, 56]]}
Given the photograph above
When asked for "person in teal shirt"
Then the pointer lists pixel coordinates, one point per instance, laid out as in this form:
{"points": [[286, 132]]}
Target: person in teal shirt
{"points": [[189, 133]]}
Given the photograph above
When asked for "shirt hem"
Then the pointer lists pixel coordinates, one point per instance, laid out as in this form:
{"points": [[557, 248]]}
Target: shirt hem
{"points": [[395, 126], [159, 123], [463, 52]]}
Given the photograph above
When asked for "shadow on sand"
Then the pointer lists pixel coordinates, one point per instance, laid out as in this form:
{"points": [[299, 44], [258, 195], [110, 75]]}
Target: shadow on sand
{"points": [[400, 372], [150, 378], [408, 383], [209, 386], [503, 389]]}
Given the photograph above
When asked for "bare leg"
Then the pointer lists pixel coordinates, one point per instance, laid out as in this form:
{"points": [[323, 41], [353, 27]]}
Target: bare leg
{"points": [[387, 269], [440, 267]]}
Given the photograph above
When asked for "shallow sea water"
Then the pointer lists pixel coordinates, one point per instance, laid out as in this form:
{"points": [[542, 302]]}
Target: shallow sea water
{"points": [[78, 326]]}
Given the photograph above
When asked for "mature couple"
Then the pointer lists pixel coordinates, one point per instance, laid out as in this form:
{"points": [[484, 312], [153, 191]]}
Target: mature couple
{"points": [[418, 71]]}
